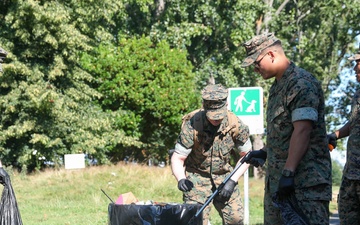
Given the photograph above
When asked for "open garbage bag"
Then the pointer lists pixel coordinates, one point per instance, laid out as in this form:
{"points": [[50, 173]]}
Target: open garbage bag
{"points": [[128, 210], [9, 212], [291, 213], [155, 214]]}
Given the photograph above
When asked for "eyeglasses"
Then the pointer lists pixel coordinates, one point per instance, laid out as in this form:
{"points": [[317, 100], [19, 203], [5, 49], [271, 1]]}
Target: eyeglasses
{"points": [[257, 63]]}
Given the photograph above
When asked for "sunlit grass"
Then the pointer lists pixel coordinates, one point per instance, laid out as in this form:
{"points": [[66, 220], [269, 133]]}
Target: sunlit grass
{"points": [[74, 197]]}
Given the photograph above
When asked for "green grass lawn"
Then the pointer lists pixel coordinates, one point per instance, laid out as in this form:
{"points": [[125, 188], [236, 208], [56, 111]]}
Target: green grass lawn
{"points": [[74, 197]]}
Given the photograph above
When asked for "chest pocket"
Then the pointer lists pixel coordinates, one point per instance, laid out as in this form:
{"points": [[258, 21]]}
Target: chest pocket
{"points": [[279, 120], [226, 145], [276, 112]]}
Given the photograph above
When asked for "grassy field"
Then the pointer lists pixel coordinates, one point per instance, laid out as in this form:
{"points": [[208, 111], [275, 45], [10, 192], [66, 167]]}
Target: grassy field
{"points": [[74, 197]]}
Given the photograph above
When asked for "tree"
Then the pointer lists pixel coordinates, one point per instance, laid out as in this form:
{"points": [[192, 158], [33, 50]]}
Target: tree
{"points": [[152, 83], [316, 35], [48, 105], [212, 32], [47, 95]]}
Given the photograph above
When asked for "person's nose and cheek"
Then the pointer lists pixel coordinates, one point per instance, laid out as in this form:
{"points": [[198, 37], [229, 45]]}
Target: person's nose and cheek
{"points": [[261, 73], [257, 70]]}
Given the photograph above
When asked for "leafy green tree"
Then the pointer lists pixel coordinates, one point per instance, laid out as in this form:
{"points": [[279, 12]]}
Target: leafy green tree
{"points": [[48, 105], [323, 37], [212, 32], [152, 83], [317, 36], [49, 102]]}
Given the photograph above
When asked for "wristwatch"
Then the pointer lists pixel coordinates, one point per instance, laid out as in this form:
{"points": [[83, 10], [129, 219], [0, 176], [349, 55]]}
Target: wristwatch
{"points": [[288, 173]]}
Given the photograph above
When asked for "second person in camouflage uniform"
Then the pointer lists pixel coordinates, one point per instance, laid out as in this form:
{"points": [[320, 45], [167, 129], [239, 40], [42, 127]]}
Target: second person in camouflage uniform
{"points": [[201, 164], [349, 195], [298, 159]]}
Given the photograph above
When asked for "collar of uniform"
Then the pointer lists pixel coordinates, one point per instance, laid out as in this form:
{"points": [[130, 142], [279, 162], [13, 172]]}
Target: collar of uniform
{"points": [[278, 85]]}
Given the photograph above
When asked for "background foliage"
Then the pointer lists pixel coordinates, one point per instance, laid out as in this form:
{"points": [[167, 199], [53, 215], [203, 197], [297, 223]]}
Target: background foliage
{"points": [[146, 82], [62, 88]]}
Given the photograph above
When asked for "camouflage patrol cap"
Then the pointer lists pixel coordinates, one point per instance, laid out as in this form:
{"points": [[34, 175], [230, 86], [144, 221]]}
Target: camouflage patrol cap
{"points": [[255, 46], [356, 56], [214, 101]]}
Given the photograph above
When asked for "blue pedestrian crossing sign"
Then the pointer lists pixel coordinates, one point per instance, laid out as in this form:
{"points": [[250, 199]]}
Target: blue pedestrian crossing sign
{"points": [[247, 104]]}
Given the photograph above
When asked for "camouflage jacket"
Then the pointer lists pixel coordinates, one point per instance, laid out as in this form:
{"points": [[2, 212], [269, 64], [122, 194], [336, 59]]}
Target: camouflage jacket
{"points": [[212, 153], [297, 96]]}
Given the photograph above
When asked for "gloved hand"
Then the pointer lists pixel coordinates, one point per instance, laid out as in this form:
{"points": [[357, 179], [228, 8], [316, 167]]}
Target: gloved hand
{"points": [[256, 158], [332, 139], [228, 189], [185, 185], [286, 186]]}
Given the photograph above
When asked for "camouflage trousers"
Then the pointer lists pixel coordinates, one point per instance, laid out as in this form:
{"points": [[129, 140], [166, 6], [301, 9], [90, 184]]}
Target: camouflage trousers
{"points": [[317, 211], [349, 202], [230, 210]]}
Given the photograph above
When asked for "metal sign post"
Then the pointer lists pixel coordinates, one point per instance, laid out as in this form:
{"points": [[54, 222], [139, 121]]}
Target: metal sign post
{"points": [[247, 104]]}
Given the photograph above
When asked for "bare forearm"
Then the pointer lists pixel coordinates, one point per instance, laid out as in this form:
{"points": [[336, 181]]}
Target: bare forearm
{"points": [[177, 166], [299, 144], [236, 176]]}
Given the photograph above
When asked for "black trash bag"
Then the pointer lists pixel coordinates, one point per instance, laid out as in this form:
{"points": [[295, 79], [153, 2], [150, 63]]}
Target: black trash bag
{"points": [[159, 214], [9, 212], [291, 213]]}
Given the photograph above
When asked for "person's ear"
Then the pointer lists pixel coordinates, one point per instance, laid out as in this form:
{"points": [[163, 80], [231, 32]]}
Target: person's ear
{"points": [[272, 55]]}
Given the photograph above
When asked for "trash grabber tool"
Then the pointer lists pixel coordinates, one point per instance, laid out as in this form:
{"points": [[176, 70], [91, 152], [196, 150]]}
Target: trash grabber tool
{"points": [[222, 185]]}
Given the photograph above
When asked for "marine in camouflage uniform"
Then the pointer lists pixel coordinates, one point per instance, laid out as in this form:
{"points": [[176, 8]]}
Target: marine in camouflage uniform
{"points": [[298, 159], [201, 167], [349, 194]]}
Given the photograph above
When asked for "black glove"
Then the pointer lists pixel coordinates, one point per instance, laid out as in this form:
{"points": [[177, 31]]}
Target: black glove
{"points": [[286, 186], [256, 158], [332, 139], [228, 189], [185, 185]]}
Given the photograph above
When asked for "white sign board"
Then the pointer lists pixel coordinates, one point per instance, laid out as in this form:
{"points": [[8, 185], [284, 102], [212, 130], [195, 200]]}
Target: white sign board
{"points": [[247, 104], [74, 161]]}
